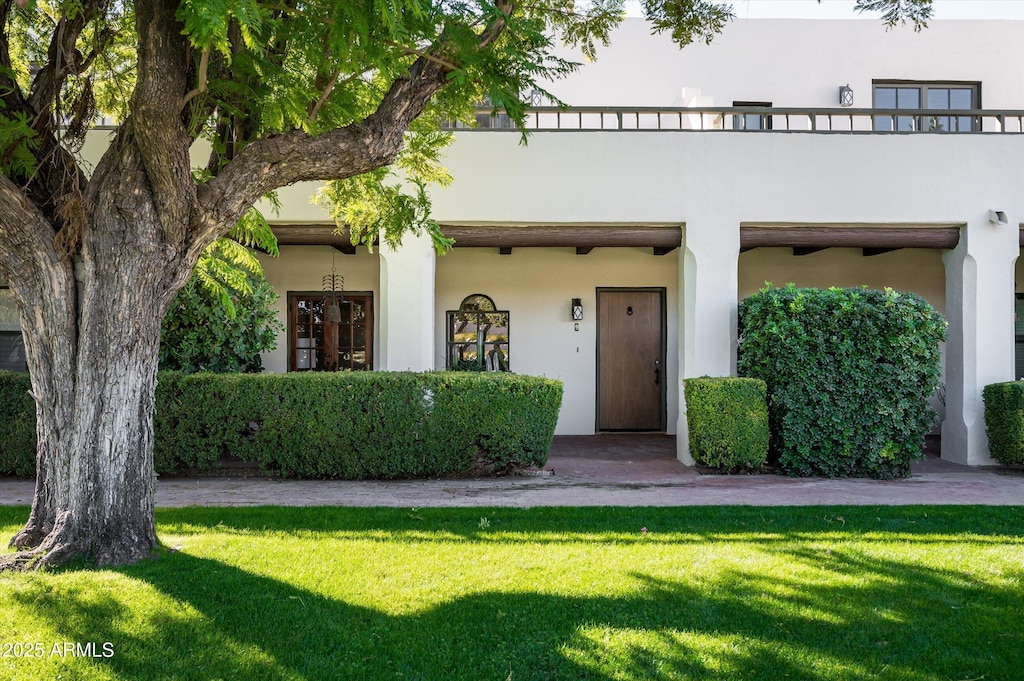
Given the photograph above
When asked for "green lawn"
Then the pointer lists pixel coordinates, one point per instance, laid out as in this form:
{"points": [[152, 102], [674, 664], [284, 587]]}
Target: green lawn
{"points": [[704, 593]]}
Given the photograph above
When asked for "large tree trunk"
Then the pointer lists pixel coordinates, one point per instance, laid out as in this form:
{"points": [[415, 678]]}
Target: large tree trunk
{"points": [[93, 340]]}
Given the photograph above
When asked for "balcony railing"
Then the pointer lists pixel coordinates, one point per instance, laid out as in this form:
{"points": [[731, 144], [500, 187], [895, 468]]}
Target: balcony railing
{"points": [[757, 119]]}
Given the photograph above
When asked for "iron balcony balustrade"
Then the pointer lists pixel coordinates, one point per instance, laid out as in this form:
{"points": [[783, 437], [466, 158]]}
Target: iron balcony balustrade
{"points": [[754, 119]]}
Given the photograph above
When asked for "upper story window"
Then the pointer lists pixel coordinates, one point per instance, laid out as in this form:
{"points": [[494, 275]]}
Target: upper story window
{"points": [[477, 336], [752, 121], [12, 344], [895, 95]]}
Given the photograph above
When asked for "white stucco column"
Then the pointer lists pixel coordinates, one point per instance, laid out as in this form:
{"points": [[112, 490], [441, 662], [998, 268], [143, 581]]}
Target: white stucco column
{"points": [[708, 294], [979, 309], [406, 323]]}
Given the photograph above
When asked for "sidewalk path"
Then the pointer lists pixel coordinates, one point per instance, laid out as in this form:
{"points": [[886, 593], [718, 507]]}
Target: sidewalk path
{"points": [[596, 471]]}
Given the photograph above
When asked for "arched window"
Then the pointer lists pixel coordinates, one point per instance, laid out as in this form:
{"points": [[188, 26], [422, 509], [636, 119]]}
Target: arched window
{"points": [[478, 336]]}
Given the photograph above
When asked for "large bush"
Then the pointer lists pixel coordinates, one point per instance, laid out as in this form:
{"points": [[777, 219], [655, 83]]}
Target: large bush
{"points": [[727, 421], [202, 333], [1004, 421], [352, 425], [850, 373]]}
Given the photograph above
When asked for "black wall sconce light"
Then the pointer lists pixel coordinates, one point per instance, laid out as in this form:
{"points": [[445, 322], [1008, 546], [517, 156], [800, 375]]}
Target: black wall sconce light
{"points": [[577, 309]]}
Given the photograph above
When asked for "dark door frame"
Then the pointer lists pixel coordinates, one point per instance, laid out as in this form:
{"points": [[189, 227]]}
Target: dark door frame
{"points": [[663, 295]]}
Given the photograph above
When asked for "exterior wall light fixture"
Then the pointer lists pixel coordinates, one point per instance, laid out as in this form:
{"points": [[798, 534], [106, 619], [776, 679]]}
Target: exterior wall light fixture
{"points": [[577, 309], [845, 95]]}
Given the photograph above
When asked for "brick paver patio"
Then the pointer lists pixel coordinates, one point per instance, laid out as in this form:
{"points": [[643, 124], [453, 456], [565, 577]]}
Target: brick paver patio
{"points": [[599, 470]]}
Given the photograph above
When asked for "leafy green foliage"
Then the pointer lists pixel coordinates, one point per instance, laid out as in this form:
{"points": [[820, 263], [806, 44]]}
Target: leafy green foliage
{"points": [[849, 374], [688, 20], [17, 145], [356, 425], [200, 333], [1004, 421], [727, 420], [899, 12], [17, 425], [352, 425]]}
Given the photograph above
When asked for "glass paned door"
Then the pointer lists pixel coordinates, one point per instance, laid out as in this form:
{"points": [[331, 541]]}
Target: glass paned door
{"points": [[319, 345]]}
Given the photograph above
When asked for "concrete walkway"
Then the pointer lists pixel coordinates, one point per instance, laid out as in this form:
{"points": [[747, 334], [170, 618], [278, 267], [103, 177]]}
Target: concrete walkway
{"points": [[601, 470]]}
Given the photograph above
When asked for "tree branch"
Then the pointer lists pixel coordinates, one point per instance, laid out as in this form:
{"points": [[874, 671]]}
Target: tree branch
{"points": [[423, 54], [204, 65], [155, 126], [315, 109], [62, 58], [10, 91], [26, 235], [491, 33], [358, 148], [277, 161]]}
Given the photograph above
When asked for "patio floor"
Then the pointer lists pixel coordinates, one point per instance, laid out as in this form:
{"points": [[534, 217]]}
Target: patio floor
{"points": [[597, 470]]}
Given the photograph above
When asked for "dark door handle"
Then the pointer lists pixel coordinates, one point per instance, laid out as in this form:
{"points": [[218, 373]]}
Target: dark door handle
{"points": [[657, 376]]}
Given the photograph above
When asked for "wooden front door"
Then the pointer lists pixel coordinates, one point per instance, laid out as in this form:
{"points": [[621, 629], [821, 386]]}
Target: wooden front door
{"points": [[631, 360]]}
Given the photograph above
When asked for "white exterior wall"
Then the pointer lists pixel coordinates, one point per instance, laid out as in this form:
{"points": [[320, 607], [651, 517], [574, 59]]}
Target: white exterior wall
{"points": [[406, 326], [536, 286], [799, 63]]}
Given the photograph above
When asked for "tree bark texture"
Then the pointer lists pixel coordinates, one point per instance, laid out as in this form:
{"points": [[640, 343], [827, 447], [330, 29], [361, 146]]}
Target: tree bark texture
{"points": [[92, 336], [92, 320]]}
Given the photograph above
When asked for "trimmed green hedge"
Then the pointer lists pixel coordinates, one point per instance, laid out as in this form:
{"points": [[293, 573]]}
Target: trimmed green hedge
{"points": [[727, 421], [352, 425], [850, 374], [1004, 421]]}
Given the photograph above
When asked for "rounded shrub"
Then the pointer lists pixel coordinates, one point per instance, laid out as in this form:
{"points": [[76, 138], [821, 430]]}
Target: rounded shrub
{"points": [[1004, 421], [850, 373], [727, 420]]}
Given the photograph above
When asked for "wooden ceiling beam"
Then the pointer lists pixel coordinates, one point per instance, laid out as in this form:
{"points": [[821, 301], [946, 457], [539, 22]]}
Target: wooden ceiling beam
{"points": [[849, 237], [565, 236], [312, 235], [662, 238]]}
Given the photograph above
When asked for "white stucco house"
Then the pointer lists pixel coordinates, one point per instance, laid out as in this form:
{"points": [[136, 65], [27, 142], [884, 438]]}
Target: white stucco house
{"points": [[680, 181]]}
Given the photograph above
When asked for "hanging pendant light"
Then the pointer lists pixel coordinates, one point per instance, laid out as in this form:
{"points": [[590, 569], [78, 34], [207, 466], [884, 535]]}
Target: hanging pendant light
{"points": [[334, 286]]}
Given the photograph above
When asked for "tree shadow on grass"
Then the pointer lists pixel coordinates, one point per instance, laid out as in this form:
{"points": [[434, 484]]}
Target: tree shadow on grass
{"points": [[220, 621]]}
